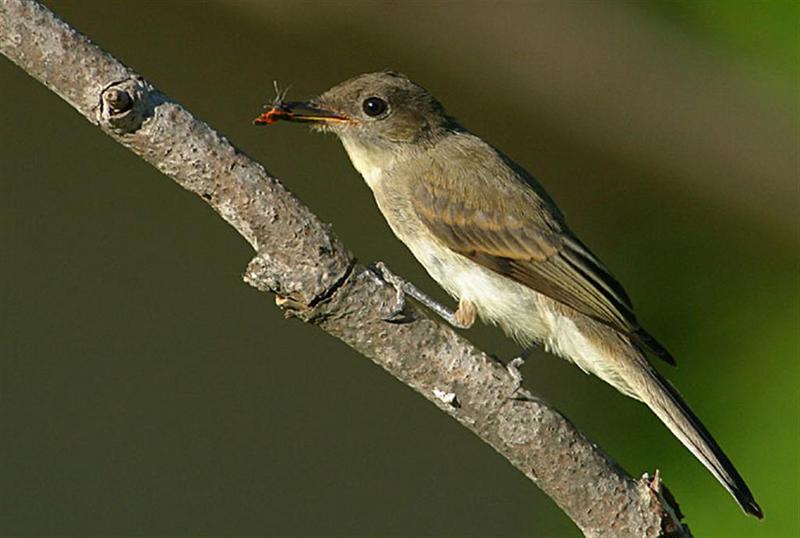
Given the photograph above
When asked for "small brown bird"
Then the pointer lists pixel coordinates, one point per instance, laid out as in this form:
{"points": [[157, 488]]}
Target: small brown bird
{"points": [[489, 234]]}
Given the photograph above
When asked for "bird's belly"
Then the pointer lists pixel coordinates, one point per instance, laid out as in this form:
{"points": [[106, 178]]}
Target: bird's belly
{"points": [[515, 308]]}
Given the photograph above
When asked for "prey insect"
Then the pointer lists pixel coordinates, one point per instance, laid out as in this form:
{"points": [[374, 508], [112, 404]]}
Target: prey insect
{"points": [[278, 110]]}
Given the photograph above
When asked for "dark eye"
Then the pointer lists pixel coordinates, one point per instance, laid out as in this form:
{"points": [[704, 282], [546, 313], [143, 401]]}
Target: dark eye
{"points": [[374, 106]]}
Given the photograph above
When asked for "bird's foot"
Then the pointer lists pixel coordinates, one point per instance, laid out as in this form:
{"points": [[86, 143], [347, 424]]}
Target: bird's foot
{"points": [[516, 375], [513, 367], [463, 318], [382, 275]]}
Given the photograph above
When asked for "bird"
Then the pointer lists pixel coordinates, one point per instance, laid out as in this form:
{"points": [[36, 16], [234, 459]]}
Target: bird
{"points": [[489, 234]]}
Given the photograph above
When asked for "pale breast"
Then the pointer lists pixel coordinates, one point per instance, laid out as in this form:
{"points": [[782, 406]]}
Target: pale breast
{"points": [[369, 162]]}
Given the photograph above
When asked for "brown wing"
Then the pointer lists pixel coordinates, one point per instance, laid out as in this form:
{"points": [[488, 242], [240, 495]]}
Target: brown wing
{"points": [[537, 252]]}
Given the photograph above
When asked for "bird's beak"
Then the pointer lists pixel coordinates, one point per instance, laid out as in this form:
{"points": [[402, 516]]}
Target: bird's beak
{"points": [[301, 112]]}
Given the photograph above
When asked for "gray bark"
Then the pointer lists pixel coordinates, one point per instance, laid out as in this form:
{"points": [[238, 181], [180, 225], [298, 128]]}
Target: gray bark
{"points": [[315, 278]]}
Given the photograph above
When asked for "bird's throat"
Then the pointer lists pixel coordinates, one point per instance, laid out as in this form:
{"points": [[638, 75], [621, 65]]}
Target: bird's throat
{"points": [[370, 160]]}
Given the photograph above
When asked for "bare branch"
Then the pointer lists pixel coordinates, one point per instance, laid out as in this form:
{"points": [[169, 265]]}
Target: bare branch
{"points": [[316, 279]]}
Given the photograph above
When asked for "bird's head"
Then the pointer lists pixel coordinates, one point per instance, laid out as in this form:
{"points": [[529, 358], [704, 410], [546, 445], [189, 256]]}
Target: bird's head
{"points": [[371, 109]]}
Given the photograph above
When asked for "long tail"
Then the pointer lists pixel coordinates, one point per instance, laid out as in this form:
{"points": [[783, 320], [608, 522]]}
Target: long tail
{"points": [[662, 398]]}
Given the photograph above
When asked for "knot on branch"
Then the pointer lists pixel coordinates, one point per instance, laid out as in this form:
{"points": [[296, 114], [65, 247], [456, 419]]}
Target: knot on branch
{"points": [[126, 104], [268, 274], [664, 505]]}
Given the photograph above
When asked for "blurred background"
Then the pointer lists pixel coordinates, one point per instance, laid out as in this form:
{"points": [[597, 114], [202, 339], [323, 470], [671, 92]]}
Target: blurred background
{"points": [[146, 390]]}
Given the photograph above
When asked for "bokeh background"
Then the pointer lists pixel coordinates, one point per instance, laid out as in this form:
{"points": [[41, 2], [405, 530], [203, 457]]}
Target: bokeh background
{"points": [[145, 390]]}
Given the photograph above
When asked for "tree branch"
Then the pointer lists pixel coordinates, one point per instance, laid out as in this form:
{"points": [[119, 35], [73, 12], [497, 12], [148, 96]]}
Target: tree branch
{"points": [[317, 279]]}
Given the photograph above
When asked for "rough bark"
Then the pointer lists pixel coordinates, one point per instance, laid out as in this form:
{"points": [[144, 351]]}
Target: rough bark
{"points": [[316, 278]]}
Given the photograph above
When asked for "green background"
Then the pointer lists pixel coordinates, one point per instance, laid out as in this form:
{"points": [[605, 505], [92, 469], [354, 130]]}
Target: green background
{"points": [[145, 390]]}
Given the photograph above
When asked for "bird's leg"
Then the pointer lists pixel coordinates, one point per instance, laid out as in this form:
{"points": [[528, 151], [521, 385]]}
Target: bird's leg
{"points": [[463, 318]]}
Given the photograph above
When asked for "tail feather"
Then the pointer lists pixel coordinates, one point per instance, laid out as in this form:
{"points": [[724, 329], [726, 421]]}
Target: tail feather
{"points": [[665, 401]]}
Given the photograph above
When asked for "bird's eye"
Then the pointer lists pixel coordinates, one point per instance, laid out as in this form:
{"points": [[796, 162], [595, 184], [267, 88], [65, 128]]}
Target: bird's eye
{"points": [[374, 106]]}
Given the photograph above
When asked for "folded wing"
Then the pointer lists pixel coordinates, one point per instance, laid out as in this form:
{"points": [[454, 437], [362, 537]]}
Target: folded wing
{"points": [[538, 253]]}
